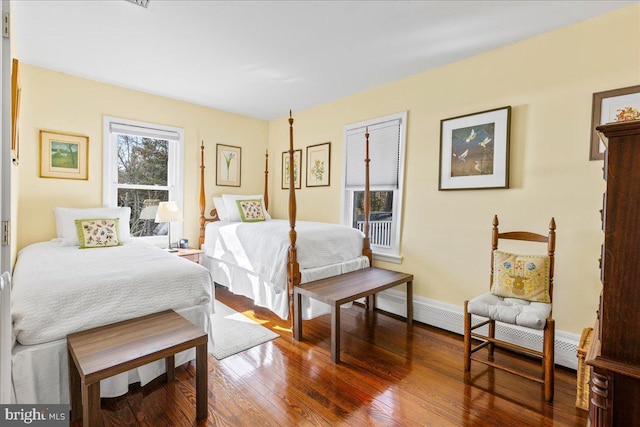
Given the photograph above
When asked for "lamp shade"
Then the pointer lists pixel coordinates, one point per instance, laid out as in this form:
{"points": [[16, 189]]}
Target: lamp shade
{"points": [[167, 212]]}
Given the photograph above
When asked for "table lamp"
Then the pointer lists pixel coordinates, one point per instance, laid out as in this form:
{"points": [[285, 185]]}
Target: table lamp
{"points": [[168, 212]]}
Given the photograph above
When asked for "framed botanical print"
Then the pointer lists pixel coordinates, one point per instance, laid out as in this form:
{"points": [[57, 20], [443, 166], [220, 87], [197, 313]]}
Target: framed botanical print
{"points": [[64, 156], [228, 163], [474, 150], [297, 160], [319, 165]]}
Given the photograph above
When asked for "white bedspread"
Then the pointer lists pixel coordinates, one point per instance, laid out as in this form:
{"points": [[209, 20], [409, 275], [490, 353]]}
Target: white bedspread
{"points": [[58, 290], [261, 247]]}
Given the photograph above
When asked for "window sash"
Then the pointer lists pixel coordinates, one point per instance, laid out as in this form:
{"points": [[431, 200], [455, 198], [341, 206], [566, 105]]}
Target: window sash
{"points": [[113, 126], [144, 187], [172, 173]]}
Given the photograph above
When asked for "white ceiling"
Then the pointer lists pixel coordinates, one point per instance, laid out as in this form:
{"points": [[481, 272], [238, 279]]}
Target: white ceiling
{"points": [[261, 58]]}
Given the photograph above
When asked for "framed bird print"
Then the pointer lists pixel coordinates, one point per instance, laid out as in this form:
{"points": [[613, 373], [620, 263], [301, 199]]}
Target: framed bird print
{"points": [[474, 150]]}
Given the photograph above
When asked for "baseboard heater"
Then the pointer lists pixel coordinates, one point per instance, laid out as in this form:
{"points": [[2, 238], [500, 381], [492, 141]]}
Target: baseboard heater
{"points": [[451, 318]]}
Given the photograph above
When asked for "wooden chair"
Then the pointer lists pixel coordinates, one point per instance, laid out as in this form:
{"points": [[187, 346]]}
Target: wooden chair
{"points": [[517, 309]]}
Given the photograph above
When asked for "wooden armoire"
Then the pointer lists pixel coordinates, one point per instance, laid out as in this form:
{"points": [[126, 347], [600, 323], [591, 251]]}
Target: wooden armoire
{"points": [[615, 349]]}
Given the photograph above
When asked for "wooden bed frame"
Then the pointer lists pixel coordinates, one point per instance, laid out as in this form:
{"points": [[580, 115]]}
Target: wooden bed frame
{"points": [[293, 268]]}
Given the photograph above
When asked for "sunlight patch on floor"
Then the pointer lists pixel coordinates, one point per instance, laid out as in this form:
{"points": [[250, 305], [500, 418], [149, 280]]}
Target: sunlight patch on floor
{"points": [[252, 315], [239, 317]]}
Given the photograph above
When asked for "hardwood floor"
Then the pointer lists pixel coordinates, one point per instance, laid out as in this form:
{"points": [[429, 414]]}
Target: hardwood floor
{"points": [[388, 376]]}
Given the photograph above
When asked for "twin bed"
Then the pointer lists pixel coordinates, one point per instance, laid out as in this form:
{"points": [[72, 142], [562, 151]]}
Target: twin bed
{"points": [[250, 259], [266, 260], [59, 289]]}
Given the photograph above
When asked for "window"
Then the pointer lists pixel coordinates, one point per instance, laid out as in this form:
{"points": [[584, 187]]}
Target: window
{"points": [[386, 172], [143, 167]]}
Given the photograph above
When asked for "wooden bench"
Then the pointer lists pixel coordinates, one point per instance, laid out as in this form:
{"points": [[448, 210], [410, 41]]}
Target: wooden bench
{"points": [[109, 350], [337, 290]]}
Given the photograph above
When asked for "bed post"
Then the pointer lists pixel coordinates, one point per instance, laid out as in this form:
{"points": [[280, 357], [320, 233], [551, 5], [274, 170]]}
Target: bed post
{"points": [[293, 269], [202, 196], [266, 179], [366, 244]]}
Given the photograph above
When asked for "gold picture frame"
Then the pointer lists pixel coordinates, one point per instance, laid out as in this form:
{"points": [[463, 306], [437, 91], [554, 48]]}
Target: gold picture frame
{"points": [[15, 112], [64, 156]]}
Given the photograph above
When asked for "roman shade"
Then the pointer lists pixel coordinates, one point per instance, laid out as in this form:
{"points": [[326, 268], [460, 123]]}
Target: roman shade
{"points": [[146, 132], [384, 152]]}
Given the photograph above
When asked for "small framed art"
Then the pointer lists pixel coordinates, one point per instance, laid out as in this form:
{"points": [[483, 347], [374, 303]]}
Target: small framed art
{"points": [[228, 165], [615, 105], [319, 165], [64, 156], [474, 150], [297, 160]]}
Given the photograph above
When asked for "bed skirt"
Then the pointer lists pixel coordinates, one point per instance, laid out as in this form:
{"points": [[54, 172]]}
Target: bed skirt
{"points": [[265, 294], [40, 372]]}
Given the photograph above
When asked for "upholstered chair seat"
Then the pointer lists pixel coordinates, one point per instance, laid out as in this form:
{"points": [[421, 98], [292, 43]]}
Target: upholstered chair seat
{"points": [[511, 310]]}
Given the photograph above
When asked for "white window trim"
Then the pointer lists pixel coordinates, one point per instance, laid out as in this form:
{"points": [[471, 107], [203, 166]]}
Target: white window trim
{"points": [[175, 178], [382, 254]]}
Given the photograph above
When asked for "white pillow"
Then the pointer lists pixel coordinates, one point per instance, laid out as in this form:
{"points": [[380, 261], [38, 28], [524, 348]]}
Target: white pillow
{"points": [[232, 207], [221, 208], [66, 222]]}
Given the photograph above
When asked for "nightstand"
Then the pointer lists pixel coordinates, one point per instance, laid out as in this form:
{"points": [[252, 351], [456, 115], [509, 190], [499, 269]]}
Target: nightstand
{"points": [[194, 255]]}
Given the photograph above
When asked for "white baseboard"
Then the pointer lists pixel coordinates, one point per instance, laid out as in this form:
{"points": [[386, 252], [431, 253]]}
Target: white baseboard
{"points": [[451, 318]]}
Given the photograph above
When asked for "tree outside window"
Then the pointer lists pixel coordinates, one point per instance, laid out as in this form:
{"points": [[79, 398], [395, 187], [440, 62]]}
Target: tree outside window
{"points": [[143, 165]]}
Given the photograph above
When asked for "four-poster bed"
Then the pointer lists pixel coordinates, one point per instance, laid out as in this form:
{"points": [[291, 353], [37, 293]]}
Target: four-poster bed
{"points": [[335, 240]]}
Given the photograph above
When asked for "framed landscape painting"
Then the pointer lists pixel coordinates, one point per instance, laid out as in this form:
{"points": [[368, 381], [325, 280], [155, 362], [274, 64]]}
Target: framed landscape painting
{"points": [[228, 163], [63, 155], [319, 165], [474, 150], [297, 160]]}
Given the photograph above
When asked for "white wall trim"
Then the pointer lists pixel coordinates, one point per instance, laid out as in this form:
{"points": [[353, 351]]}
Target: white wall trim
{"points": [[379, 256], [451, 318]]}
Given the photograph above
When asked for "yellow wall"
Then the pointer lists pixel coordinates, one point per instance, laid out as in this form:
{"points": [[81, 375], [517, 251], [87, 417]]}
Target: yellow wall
{"points": [[59, 102], [549, 81]]}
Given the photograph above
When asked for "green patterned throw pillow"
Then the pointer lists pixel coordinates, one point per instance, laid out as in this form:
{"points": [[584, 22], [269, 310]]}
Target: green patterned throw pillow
{"points": [[98, 233], [521, 276], [250, 210]]}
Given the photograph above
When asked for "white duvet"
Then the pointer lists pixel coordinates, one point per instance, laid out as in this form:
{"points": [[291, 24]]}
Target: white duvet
{"points": [[58, 290], [262, 247]]}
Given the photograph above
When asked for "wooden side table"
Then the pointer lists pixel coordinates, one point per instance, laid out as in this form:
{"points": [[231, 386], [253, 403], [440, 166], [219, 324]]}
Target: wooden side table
{"points": [[109, 350], [191, 254], [337, 290]]}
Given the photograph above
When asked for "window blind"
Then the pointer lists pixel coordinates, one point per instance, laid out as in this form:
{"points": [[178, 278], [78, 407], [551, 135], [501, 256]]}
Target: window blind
{"points": [[142, 131], [384, 152]]}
